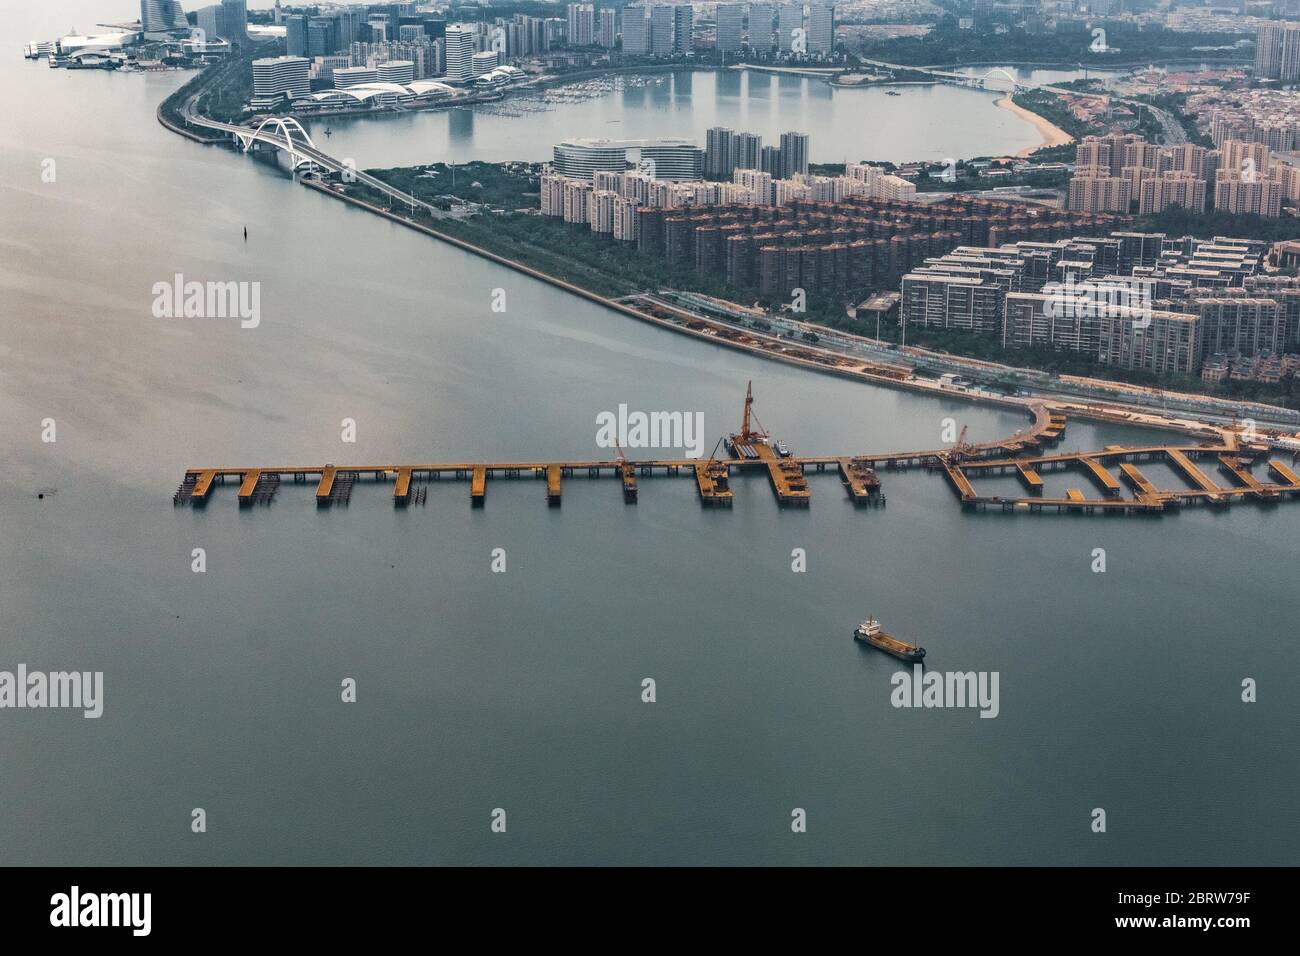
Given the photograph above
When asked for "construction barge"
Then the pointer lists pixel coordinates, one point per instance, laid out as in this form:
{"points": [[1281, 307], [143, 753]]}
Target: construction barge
{"points": [[752, 449]]}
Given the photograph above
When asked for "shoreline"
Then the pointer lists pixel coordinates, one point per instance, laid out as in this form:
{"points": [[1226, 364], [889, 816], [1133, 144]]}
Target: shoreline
{"points": [[1052, 134], [816, 359]]}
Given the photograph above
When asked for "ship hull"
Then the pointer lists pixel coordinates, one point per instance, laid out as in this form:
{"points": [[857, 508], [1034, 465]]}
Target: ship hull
{"points": [[904, 652]]}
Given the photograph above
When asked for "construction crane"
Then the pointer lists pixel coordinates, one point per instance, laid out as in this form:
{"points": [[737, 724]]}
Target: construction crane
{"points": [[963, 448], [627, 471], [748, 435]]}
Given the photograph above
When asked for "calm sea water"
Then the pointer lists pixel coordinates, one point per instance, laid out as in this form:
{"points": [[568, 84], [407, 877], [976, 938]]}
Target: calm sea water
{"points": [[924, 122], [522, 690]]}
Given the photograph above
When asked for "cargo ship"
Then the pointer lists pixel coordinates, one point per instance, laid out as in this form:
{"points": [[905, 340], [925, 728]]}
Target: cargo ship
{"points": [[869, 632]]}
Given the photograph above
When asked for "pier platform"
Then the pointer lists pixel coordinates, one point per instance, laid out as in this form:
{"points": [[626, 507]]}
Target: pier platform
{"points": [[788, 477], [860, 480], [712, 483], [1232, 464]]}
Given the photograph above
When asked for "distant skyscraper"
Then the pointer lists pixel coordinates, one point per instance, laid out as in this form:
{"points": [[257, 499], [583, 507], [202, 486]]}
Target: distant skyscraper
{"points": [[718, 148], [761, 16], [350, 24], [322, 36], [607, 30], [731, 27], [460, 54], [789, 19], [683, 33], [769, 161], [279, 14], [746, 150], [162, 16], [794, 154], [1277, 52], [582, 24], [208, 20], [296, 35], [821, 26], [661, 29], [636, 31], [234, 14]]}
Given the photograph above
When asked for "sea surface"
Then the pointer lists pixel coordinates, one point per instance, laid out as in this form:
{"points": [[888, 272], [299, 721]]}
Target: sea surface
{"points": [[523, 690]]}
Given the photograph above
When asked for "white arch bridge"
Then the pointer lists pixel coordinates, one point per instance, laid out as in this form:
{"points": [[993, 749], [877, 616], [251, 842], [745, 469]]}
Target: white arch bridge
{"points": [[286, 134]]}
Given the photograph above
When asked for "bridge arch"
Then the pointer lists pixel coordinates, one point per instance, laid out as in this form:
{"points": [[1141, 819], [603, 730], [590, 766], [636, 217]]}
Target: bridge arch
{"points": [[282, 132], [1002, 74]]}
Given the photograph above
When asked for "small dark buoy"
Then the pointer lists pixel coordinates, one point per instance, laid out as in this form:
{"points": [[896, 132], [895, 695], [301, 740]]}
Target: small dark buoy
{"points": [[245, 233], [40, 496]]}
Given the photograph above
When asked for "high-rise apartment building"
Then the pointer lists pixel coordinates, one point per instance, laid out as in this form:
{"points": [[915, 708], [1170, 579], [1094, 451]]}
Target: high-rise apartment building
{"points": [[731, 27], [662, 18], [683, 29], [794, 154], [582, 24], [636, 30], [789, 26], [746, 149], [759, 31], [607, 29], [820, 26], [1260, 196], [1091, 191], [1277, 52], [719, 158], [1171, 189]]}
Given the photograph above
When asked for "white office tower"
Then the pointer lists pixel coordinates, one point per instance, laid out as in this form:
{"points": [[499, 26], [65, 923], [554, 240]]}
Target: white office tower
{"points": [[459, 54], [396, 71], [673, 161], [821, 27], [731, 28], [583, 158], [276, 77], [636, 31], [485, 61], [661, 29], [353, 75], [789, 25]]}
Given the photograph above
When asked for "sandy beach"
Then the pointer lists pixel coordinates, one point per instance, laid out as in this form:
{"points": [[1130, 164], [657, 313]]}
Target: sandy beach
{"points": [[1052, 135]]}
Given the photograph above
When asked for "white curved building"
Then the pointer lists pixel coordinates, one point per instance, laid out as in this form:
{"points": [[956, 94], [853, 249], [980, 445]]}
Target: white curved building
{"points": [[499, 76], [380, 94]]}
